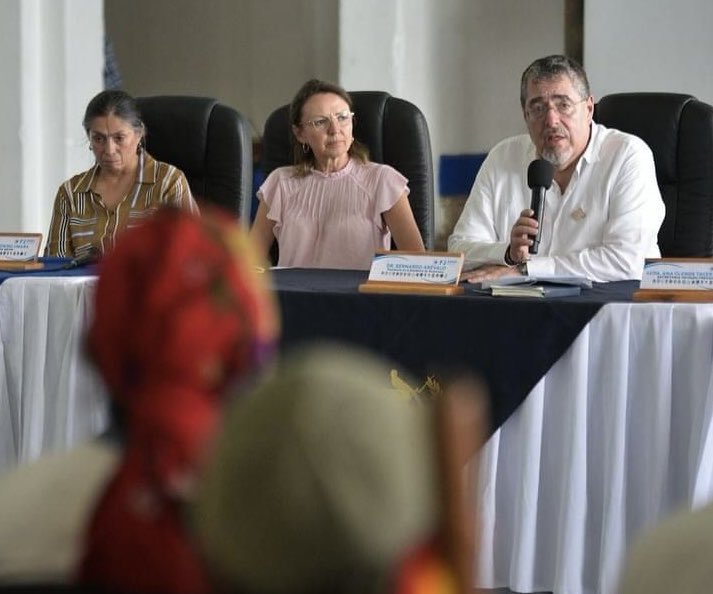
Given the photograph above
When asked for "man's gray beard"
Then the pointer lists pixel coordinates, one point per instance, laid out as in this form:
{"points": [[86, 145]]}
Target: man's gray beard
{"points": [[557, 160]]}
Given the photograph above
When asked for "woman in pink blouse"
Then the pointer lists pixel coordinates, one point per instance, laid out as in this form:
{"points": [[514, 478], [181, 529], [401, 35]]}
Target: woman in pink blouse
{"points": [[333, 208]]}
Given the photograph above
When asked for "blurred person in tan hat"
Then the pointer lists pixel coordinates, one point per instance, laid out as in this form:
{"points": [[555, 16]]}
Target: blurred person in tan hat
{"points": [[325, 480], [673, 556]]}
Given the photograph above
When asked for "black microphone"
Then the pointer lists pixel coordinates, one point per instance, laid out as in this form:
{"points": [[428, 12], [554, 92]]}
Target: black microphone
{"points": [[87, 258], [539, 179]]}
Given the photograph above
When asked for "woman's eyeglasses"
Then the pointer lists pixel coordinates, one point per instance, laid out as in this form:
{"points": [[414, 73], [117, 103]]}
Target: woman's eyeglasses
{"points": [[321, 123]]}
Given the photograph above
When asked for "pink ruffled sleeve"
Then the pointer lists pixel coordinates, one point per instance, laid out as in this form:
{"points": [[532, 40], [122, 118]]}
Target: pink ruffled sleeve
{"points": [[272, 192], [388, 188]]}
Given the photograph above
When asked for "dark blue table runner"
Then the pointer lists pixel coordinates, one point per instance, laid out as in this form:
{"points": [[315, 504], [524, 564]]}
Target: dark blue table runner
{"points": [[53, 267], [510, 342]]}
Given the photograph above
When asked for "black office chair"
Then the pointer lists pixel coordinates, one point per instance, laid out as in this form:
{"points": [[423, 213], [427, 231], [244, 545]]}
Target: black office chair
{"points": [[210, 142], [396, 133], [679, 130]]}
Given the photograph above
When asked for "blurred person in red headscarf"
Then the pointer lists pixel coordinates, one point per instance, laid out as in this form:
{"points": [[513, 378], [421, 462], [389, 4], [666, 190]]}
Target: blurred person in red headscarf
{"points": [[181, 313]]}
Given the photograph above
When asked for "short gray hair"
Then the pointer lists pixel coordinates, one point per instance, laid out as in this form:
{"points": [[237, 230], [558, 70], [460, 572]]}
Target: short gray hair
{"points": [[551, 67]]}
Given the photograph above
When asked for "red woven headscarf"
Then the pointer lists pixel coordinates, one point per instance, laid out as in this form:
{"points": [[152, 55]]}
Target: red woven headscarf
{"points": [[181, 312]]}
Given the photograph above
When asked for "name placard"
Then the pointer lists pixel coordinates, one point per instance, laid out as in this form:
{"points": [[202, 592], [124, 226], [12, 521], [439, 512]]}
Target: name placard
{"points": [[676, 279], [685, 273], [414, 272], [20, 250]]}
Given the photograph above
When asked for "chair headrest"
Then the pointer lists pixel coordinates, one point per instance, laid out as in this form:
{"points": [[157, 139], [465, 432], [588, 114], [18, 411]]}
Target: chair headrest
{"points": [[177, 129]]}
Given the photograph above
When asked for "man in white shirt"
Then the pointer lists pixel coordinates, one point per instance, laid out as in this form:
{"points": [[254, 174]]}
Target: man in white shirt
{"points": [[603, 211]]}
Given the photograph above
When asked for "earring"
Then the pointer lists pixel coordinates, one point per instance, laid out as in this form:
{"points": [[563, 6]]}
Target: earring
{"points": [[140, 146], [305, 148]]}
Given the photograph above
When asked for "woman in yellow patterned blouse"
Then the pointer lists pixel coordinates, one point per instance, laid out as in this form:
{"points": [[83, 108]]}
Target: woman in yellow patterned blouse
{"points": [[125, 185]]}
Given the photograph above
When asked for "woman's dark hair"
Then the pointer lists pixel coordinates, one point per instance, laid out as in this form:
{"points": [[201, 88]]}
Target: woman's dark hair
{"points": [[304, 160], [117, 103]]}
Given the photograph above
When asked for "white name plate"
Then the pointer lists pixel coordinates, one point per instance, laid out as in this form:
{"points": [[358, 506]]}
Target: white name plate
{"points": [[438, 268], [694, 274], [414, 272], [20, 247]]}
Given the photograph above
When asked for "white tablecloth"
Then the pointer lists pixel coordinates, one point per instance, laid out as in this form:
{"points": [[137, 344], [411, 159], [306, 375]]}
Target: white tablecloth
{"points": [[617, 434], [50, 396]]}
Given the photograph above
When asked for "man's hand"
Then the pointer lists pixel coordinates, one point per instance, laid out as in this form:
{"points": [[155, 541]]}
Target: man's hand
{"points": [[520, 239], [488, 273]]}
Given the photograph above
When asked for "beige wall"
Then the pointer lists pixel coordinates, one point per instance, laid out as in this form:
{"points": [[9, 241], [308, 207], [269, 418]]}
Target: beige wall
{"points": [[250, 54], [459, 60]]}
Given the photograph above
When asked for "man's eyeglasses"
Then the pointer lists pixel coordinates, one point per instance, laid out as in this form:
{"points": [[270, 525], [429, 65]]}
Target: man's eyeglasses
{"points": [[321, 123], [563, 105]]}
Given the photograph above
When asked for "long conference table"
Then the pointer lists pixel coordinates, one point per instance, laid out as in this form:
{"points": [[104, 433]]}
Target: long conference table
{"points": [[602, 408]]}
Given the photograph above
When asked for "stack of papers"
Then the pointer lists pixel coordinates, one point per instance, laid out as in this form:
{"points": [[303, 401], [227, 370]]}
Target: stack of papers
{"points": [[541, 286]]}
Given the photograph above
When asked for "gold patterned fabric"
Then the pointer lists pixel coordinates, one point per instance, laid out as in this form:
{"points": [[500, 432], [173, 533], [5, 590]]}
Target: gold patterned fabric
{"points": [[81, 222]]}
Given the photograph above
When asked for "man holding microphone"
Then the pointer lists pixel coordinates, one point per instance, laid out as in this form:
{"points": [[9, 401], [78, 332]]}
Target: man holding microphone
{"points": [[601, 214]]}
